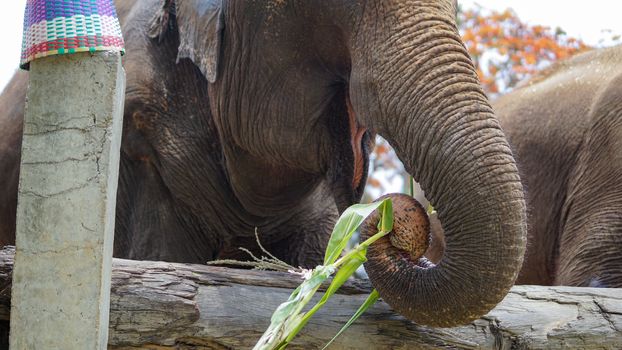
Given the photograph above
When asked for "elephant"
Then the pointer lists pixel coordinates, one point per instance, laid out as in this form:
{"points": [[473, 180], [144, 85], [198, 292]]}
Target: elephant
{"points": [[565, 126], [244, 115]]}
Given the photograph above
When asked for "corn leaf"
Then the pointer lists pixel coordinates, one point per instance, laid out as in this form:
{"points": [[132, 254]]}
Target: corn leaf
{"points": [[371, 300], [340, 278], [430, 209], [386, 218], [288, 319], [287, 315], [348, 222]]}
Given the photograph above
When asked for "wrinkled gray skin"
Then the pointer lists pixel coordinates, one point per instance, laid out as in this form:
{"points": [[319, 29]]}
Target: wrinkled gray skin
{"points": [[566, 129], [277, 137]]}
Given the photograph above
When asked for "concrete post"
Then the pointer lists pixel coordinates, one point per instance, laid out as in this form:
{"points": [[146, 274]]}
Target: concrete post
{"points": [[66, 205]]}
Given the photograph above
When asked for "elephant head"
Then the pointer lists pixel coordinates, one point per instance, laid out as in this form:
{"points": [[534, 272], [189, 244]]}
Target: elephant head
{"points": [[298, 88]]}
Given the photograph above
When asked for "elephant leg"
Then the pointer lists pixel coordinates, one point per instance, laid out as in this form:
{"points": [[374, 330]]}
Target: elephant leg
{"points": [[151, 224], [301, 249], [590, 252], [12, 103], [298, 236], [9, 178], [590, 249], [305, 243]]}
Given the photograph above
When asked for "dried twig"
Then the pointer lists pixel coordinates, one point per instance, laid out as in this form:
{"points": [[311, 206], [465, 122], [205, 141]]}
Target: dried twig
{"points": [[264, 263]]}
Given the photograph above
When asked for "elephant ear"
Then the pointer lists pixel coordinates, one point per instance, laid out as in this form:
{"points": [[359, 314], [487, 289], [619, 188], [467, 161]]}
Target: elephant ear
{"points": [[200, 24]]}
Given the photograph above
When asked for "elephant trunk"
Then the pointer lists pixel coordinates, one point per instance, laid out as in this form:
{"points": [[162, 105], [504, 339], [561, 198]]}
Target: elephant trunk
{"points": [[423, 95]]}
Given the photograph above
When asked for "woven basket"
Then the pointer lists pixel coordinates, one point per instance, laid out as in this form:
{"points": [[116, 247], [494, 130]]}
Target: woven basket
{"points": [[57, 27]]}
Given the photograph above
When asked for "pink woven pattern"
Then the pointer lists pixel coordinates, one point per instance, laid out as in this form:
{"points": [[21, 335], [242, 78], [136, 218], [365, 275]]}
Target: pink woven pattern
{"points": [[53, 27]]}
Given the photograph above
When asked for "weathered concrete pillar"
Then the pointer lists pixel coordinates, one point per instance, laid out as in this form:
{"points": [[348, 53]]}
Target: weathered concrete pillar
{"points": [[66, 205]]}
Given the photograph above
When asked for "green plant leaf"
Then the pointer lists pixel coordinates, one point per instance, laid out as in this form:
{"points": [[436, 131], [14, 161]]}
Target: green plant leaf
{"points": [[345, 272], [386, 218], [283, 310], [371, 300], [319, 275], [287, 315], [348, 222], [288, 319], [340, 278], [430, 209]]}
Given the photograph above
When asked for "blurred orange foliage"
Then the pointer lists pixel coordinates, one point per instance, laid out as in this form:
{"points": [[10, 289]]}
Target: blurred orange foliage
{"points": [[505, 50]]}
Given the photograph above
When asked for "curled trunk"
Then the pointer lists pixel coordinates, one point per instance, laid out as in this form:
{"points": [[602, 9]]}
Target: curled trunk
{"points": [[442, 127]]}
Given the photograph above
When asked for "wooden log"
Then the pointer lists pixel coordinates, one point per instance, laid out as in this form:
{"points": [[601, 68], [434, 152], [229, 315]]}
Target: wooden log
{"points": [[158, 305]]}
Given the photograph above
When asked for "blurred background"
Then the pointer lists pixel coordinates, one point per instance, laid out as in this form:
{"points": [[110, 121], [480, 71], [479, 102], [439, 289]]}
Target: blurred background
{"points": [[508, 40]]}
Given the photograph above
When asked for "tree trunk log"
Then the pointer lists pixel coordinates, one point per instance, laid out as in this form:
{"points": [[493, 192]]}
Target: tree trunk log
{"points": [[158, 305]]}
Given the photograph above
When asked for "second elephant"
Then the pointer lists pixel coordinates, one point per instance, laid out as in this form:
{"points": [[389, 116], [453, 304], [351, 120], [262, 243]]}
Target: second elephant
{"points": [[565, 126]]}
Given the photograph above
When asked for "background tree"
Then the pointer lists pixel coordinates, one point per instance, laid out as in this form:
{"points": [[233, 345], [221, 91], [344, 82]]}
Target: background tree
{"points": [[506, 51]]}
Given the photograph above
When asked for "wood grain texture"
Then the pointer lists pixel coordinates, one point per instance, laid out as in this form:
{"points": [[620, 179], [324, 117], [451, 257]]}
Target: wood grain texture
{"points": [[157, 305]]}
